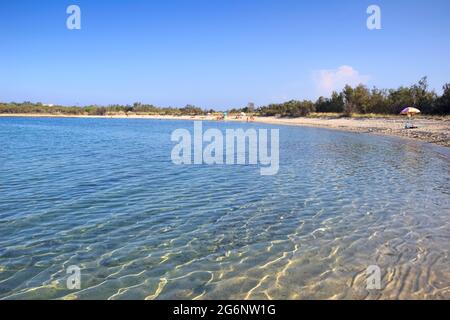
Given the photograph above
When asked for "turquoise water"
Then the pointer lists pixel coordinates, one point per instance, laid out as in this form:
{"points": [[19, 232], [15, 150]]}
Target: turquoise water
{"points": [[104, 195]]}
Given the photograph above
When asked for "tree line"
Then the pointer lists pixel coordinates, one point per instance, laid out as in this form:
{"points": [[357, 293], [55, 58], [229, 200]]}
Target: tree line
{"points": [[351, 100], [94, 110], [362, 100]]}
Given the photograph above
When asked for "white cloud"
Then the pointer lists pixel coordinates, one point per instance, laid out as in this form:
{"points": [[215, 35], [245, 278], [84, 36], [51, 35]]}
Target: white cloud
{"points": [[335, 79]]}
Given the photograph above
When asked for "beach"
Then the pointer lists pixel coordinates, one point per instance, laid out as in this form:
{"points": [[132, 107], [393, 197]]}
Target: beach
{"points": [[242, 151], [434, 130]]}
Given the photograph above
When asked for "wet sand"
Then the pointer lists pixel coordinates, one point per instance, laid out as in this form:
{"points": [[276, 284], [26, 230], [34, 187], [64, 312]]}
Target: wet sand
{"points": [[434, 130]]}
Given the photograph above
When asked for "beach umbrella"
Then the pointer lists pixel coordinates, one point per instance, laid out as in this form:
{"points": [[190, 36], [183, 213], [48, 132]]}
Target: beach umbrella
{"points": [[410, 111]]}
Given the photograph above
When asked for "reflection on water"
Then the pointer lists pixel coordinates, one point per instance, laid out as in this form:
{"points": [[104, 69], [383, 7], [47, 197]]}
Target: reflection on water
{"points": [[102, 194]]}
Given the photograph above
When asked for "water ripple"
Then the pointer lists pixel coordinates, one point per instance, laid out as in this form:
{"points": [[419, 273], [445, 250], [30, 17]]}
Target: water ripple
{"points": [[103, 195]]}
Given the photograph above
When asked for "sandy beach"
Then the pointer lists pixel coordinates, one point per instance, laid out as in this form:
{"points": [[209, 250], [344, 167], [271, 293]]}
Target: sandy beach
{"points": [[434, 130]]}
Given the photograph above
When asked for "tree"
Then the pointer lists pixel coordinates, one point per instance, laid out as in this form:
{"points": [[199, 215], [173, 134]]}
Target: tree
{"points": [[361, 99], [349, 100], [442, 104], [422, 97], [299, 108], [250, 107], [378, 102], [337, 102], [292, 108], [399, 99]]}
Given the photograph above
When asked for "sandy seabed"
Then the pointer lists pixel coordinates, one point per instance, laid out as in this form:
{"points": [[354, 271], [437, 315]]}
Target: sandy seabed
{"points": [[433, 130]]}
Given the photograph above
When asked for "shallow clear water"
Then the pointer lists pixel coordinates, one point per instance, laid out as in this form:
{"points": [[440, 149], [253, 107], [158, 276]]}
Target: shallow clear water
{"points": [[103, 194]]}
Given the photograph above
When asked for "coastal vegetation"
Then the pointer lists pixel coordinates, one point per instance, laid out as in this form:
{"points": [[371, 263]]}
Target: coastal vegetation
{"points": [[95, 110], [361, 100], [351, 101]]}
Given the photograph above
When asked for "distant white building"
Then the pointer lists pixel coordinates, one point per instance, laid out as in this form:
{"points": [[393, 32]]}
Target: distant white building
{"points": [[48, 105]]}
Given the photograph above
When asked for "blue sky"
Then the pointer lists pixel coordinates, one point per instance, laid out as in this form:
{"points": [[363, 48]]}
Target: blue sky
{"points": [[216, 53]]}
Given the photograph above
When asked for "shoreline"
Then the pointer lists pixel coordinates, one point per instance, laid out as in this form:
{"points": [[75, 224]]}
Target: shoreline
{"points": [[434, 130]]}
